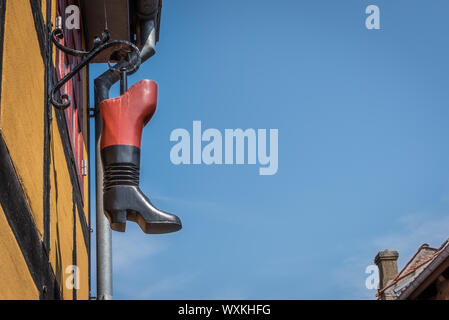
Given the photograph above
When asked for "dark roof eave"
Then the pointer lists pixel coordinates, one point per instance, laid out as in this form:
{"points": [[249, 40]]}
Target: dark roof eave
{"points": [[431, 268]]}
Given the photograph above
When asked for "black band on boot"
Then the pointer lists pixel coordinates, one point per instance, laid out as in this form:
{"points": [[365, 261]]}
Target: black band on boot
{"points": [[120, 165], [120, 154]]}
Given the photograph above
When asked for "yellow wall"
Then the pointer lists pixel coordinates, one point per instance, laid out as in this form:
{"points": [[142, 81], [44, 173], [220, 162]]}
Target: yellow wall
{"points": [[22, 127], [86, 145], [62, 221], [61, 208], [82, 262], [15, 278], [22, 102]]}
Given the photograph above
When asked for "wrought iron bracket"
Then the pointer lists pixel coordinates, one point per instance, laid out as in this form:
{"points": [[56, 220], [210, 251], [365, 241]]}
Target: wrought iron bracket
{"points": [[122, 49]]}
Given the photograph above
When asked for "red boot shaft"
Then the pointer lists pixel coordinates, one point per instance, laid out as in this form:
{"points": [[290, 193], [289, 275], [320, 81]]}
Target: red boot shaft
{"points": [[125, 116]]}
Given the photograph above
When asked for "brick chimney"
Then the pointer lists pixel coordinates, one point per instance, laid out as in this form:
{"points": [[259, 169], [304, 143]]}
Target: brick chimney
{"points": [[387, 262]]}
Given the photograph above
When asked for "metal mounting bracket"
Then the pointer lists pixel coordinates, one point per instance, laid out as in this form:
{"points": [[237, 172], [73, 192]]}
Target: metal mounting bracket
{"points": [[123, 49]]}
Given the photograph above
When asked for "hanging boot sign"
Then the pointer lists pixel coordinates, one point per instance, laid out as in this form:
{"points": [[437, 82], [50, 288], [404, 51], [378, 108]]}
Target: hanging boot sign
{"points": [[123, 120]]}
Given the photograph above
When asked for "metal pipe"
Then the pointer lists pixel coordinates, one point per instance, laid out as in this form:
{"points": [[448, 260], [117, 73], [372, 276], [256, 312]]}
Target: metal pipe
{"points": [[102, 85], [123, 82], [147, 49], [104, 233]]}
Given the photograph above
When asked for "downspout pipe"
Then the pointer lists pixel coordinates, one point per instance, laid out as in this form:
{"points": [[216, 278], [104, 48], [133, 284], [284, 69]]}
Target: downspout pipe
{"points": [[102, 86]]}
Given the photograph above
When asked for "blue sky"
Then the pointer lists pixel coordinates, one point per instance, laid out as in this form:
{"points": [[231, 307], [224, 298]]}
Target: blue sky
{"points": [[363, 148]]}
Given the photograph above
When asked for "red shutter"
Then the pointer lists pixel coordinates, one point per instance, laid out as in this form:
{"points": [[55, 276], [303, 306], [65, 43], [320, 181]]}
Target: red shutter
{"points": [[74, 88]]}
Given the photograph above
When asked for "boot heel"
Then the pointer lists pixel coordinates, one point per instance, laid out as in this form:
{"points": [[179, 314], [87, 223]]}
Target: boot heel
{"points": [[138, 208], [118, 220]]}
